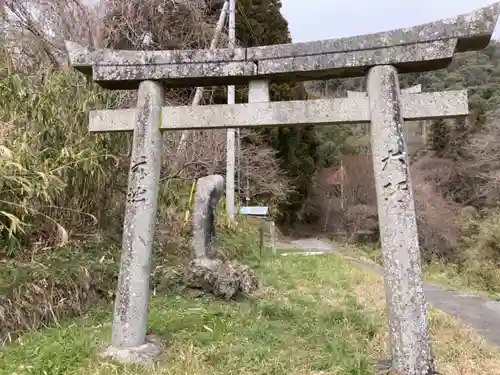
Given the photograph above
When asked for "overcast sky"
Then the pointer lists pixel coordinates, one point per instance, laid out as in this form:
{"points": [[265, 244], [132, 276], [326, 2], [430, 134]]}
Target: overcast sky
{"points": [[324, 19]]}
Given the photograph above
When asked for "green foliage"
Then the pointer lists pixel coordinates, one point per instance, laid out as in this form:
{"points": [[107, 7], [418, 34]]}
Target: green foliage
{"points": [[482, 252], [54, 173], [260, 23], [337, 141], [305, 321], [478, 72], [478, 266], [239, 239]]}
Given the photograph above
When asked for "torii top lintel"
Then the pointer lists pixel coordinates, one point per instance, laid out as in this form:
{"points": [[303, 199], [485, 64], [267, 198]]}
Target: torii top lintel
{"points": [[420, 48]]}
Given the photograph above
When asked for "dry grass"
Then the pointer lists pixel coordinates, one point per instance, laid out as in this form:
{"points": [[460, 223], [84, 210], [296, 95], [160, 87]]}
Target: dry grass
{"points": [[54, 286], [315, 315], [476, 273], [458, 349], [66, 282]]}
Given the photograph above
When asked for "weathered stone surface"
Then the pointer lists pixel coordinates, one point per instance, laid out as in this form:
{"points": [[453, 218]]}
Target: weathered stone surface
{"points": [[356, 94], [414, 130], [112, 120], [83, 59], [145, 354], [428, 105], [473, 31], [407, 58], [175, 75], [413, 89], [419, 48], [224, 279], [132, 297], [446, 104], [258, 92], [362, 94], [407, 309], [409, 90], [209, 190]]}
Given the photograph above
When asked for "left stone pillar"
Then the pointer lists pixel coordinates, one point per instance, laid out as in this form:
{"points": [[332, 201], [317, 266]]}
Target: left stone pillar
{"points": [[130, 318]]}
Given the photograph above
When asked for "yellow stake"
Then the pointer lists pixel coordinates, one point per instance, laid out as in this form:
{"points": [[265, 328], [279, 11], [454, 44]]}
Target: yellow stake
{"points": [[188, 211]]}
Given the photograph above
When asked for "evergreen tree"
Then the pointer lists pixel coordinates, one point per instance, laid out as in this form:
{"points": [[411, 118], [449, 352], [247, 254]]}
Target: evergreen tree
{"points": [[260, 23]]}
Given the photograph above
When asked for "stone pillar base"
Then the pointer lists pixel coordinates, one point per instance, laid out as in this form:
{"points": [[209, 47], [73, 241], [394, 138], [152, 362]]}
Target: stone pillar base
{"points": [[145, 354]]}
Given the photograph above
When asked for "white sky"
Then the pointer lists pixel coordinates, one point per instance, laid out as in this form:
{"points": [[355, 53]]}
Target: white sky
{"points": [[326, 19]]}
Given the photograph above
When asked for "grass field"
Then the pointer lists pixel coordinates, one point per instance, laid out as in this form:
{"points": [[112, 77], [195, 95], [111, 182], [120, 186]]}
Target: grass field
{"points": [[449, 275], [314, 315]]}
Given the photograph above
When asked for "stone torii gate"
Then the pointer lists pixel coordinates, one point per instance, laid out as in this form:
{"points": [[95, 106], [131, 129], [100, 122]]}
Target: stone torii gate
{"points": [[381, 56]]}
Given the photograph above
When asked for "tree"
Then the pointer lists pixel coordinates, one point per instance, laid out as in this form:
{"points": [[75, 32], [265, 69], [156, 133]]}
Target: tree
{"points": [[260, 23]]}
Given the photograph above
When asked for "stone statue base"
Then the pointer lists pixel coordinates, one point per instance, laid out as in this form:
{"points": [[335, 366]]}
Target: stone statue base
{"points": [[145, 354], [225, 279]]}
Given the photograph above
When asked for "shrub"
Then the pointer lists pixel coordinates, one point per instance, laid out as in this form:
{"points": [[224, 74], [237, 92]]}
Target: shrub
{"points": [[360, 218], [55, 285], [438, 217], [481, 253], [54, 174]]}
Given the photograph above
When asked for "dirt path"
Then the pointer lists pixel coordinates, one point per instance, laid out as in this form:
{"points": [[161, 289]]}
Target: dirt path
{"points": [[481, 314]]}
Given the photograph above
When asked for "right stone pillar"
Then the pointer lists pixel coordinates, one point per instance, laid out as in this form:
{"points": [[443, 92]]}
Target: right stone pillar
{"points": [[406, 305]]}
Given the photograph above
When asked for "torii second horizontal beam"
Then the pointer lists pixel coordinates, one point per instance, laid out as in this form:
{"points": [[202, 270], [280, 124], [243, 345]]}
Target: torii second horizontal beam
{"points": [[415, 106]]}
